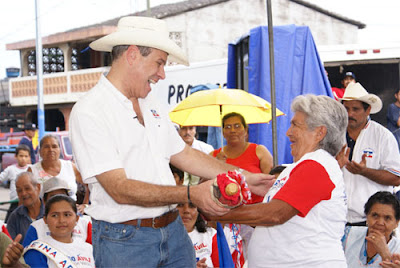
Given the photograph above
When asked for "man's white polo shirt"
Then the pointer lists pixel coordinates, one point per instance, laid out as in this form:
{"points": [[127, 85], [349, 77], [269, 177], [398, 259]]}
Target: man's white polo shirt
{"points": [[106, 135]]}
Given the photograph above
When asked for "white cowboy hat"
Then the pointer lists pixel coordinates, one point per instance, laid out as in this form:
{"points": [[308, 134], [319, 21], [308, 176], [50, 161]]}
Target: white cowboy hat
{"points": [[355, 91], [141, 31]]}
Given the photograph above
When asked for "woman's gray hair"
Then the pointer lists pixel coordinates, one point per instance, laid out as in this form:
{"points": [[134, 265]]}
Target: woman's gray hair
{"points": [[324, 111], [49, 136]]}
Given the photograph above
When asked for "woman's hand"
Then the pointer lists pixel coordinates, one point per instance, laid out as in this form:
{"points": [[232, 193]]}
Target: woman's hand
{"points": [[259, 183], [378, 240], [221, 156], [394, 263], [201, 263]]}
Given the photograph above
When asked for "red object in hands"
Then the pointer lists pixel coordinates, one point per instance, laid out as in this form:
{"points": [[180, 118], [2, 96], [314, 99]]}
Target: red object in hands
{"points": [[223, 180], [246, 193]]}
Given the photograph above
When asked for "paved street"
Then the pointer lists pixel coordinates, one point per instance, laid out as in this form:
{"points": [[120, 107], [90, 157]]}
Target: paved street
{"points": [[4, 196]]}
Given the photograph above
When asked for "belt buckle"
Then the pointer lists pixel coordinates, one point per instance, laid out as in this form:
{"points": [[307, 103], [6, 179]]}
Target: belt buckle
{"points": [[153, 222]]}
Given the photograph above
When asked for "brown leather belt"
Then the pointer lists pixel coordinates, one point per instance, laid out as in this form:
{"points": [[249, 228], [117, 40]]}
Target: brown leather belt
{"points": [[157, 222]]}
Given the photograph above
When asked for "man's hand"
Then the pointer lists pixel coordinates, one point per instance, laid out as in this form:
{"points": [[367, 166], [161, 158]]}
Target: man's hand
{"points": [[200, 195], [13, 253], [81, 208], [357, 168], [259, 183], [343, 156]]}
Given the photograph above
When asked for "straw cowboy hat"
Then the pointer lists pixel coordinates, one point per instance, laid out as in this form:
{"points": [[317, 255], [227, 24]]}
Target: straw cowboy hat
{"points": [[141, 31], [355, 91]]}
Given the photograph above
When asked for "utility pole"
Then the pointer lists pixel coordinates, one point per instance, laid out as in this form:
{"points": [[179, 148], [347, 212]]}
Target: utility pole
{"points": [[39, 72], [148, 9], [272, 80]]}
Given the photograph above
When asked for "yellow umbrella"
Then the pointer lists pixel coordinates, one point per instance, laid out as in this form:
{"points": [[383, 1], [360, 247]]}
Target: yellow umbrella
{"points": [[207, 107]]}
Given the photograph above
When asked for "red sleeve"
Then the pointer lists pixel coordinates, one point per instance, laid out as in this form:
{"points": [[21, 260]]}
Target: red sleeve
{"points": [[308, 184], [214, 253], [89, 233]]}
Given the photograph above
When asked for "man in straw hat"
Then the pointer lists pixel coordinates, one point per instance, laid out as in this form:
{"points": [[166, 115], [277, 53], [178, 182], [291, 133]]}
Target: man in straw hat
{"points": [[123, 142], [372, 159]]}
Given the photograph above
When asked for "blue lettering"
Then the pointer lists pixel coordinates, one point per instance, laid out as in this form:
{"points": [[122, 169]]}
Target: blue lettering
{"points": [[171, 92]]}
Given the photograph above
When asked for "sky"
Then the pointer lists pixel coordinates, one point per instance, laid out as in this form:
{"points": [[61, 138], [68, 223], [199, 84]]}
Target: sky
{"points": [[17, 18]]}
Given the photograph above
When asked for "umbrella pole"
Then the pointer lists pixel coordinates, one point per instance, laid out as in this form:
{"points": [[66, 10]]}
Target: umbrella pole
{"points": [[222, 135], [222, 139], [272, 76]]}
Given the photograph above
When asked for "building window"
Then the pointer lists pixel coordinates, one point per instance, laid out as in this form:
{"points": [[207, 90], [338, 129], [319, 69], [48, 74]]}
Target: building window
{"points": [[53, 61], [74, 59]]}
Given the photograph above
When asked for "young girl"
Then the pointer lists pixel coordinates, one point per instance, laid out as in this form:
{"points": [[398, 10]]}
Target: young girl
{"points": [[59, 249], [204, 239]]}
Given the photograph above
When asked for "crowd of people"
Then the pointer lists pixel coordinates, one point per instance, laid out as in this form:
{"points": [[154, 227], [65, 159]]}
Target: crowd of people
{"points": [[150, 199]]}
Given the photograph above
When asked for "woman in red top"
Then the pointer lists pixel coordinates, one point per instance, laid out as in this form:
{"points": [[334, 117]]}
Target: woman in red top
{"points": [[238, 152]]}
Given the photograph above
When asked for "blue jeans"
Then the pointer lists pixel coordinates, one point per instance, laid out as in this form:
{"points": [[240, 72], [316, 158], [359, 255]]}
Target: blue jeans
{"points": [[121, 245]]}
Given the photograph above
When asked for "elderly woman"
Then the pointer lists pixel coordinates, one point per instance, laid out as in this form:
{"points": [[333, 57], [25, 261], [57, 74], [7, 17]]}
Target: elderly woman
{"points": [[52, 166], [238, 152], [302, 218], [369, 246]]}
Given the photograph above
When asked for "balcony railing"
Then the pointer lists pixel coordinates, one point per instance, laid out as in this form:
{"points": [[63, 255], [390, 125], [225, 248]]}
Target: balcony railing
{"points": [[65, 87]]}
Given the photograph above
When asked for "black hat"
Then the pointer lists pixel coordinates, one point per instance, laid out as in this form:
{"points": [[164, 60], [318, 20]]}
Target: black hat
{"points": [[29, 126], [351, 74]]}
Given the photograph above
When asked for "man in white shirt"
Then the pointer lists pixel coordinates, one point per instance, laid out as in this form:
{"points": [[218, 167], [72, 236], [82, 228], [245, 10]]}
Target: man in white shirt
{"points": [[372, 162], [188, 134], [123, 142]]}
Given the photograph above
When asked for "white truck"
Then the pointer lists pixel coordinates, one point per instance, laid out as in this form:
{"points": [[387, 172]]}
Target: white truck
{"points": [[376, 67], [180, 79]]}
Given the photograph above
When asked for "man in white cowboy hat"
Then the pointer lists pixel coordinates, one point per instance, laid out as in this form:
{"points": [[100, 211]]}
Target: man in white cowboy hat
{"points": [[123, 143], [372, 160]]}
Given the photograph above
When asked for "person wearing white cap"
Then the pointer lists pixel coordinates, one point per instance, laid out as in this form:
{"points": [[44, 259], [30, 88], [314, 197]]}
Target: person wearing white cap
{"points": [[123, 142], [371, 163]]}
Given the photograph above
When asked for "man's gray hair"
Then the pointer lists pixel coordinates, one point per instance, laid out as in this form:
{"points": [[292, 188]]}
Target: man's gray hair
{"points": [[30, 175], [324, 111], [117, 51]]}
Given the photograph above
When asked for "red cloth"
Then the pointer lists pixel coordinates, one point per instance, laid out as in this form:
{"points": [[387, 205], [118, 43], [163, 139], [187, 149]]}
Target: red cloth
{"points": [[338, 92], [231, 200], [214, 252], [89, 233], [306, 189], [247, 161], [4, 230]]}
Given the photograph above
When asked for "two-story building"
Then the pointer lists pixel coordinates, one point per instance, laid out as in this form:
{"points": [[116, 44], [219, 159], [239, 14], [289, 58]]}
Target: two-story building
{"points": [[203, 28]]}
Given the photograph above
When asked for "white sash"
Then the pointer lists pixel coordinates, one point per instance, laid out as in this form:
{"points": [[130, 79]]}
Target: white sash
{"points": [[59, 258]]}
